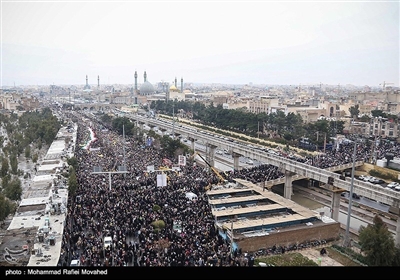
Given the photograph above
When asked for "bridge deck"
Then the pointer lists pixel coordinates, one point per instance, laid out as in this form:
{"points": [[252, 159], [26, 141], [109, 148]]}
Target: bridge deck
{"points": [[236, 199], [227, 191], [277, 202], [252, 209], [241, 224]]}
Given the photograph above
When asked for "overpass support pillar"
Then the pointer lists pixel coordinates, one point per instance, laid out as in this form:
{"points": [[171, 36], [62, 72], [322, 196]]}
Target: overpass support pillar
{"points": [[288, 188], [335, 206], [236, 156], [211, 153], [192, 140]]}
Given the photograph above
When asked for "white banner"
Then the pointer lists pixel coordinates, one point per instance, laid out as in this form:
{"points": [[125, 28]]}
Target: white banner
{"points": [[182, 160], [161, 180], [150, 168]]}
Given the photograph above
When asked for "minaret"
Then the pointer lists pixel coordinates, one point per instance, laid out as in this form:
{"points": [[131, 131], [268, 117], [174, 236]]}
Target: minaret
{"points": [[181, 84], [145, 76], [98, 82], [175, 82], [87, 82], [135, 81]]}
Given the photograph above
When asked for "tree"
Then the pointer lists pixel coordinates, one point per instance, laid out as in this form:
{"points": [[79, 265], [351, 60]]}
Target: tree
{"points": [[28, 152], [14, 164], [72, 161], [377, 243], [354, 111], [72, 181], [35, 158], [13, 190], [123, 124], [7, 207], [4, 167]]}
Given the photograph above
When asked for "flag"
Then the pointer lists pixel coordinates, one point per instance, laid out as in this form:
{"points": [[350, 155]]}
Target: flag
{"points": [[167, 162]]}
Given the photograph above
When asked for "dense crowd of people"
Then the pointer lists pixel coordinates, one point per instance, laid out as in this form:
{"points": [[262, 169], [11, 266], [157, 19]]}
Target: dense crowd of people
{"points": [[127, 211]]}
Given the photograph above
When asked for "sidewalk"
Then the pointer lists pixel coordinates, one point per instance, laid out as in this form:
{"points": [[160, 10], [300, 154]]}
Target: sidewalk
{"points": [[313, 254]]}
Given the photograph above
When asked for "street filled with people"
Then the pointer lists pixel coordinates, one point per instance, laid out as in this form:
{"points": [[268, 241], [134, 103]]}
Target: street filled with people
{"points": [[127, 210], [125, 206]]}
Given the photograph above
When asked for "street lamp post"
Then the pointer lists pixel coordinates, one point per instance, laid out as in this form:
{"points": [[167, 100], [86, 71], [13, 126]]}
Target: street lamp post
{"points": [[173, 120], [347, 242]]}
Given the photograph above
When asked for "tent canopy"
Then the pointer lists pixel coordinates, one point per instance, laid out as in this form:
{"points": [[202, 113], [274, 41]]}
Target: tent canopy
{"points": [[191, 195]]}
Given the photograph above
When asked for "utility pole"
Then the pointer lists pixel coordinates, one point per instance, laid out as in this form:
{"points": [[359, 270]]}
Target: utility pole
{"points": [[347, 242], [123, 146], [173, 120]]}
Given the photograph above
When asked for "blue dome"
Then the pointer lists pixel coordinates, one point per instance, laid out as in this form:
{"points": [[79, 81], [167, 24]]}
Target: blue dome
{"points": [[146, 88]]}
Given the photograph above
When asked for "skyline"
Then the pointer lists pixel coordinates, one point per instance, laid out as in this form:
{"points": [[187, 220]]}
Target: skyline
{"points": [[226, 42]]}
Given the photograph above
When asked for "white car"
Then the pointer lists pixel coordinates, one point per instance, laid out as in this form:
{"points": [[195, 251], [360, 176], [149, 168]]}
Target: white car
{"points": [[393, 185], [249, 161], [365, 178]]}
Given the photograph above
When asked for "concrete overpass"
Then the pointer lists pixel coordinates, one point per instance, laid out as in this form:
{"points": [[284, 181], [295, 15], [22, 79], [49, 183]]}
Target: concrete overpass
{"points": [[293, 170], [96, 106], [291, 167]]}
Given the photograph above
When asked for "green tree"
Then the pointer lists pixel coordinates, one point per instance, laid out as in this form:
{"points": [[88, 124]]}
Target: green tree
{"points": [[4, 167], [14, 164], [354, 111], [28, 152], [107, 119], [396, 258], [72, 161], [377, 243], [72, 181], [7, 207], [35, 158], [123, 124], [172, 148], [14, 190]]}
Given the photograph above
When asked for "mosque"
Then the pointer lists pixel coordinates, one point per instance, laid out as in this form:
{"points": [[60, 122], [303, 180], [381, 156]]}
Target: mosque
{"points": [[147, 93], [144, 94]]}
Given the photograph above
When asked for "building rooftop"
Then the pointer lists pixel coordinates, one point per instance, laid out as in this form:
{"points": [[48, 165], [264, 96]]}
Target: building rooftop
{"points": [[34, 235]]}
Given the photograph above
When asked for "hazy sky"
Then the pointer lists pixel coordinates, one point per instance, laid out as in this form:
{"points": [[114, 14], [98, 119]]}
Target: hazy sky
{"points": [[234, 42]]}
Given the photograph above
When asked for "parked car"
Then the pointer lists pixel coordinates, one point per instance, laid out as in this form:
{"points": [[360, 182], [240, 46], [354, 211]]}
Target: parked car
{"points": [[365, 178], [356, 196], [374, 180], [249, 161], [392, 185]]}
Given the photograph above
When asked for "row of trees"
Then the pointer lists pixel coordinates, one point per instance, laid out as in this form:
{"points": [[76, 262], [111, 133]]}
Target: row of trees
{"points": [[170, 147], [287, 128]]}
